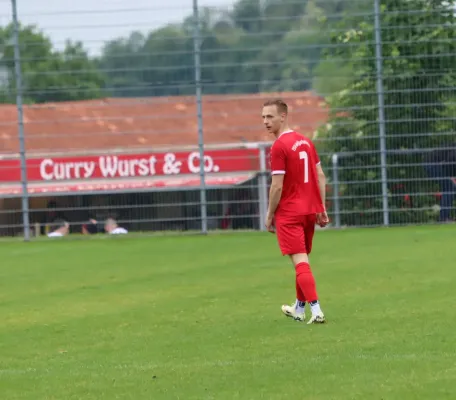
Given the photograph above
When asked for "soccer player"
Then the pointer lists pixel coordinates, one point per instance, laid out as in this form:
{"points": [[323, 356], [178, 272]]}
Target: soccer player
{"points": [[296, 204]]}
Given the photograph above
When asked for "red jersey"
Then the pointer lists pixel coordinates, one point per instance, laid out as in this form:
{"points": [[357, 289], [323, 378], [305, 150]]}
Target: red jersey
{"points": [[295, 156]]}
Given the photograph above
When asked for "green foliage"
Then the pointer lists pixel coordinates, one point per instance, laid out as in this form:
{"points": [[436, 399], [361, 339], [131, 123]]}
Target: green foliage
{"points": [[48, 75], [258, 46], [417, 72]]}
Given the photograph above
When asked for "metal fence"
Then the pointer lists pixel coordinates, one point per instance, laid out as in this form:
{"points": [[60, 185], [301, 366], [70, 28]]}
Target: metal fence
{"points": [[113, 122]]}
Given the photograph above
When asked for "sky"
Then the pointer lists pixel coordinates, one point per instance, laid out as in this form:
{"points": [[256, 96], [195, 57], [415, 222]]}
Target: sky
{"points": [[96, 21]]}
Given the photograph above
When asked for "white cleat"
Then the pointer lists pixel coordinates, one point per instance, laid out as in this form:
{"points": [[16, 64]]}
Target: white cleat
{"points": [[290, 311], [317, 319]]}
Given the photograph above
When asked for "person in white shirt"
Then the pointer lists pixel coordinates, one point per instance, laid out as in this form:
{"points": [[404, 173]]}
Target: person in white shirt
{"points": [[112, 228], [62, 228]]}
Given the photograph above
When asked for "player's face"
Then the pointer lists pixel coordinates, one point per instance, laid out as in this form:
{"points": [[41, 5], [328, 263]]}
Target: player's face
{"points": [[272, 119]]}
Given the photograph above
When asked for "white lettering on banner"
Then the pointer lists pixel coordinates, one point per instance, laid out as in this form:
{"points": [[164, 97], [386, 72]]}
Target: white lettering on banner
{"points": [[171, 166], [50, 170], [194, 165], [120, 166], [89, 169], [111, 166], [43, 172]]}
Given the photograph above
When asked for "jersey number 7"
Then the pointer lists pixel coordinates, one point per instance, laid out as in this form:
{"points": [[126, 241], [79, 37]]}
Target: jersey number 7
{"points": [[303, 156]]}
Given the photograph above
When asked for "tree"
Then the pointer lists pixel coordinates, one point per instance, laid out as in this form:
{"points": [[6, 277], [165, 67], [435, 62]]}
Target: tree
{"points": [[121, 63], [48, 75], [260, 45], [418, 46]]}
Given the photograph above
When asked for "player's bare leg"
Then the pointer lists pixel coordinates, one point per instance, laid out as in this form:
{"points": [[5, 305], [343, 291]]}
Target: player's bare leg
{"points": [[306, 282]]}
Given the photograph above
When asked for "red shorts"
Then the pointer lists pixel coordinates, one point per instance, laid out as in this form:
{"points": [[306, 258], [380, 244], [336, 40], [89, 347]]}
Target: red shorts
{"points": [[295, 235]]}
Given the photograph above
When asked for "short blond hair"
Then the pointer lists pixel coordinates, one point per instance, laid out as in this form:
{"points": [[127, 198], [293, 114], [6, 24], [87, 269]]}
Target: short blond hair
{"points": [[282, 107]]}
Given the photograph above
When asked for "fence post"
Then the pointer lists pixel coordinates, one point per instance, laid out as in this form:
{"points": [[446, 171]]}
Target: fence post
{"points": [[381, 111], [335, 176], [20, 121], [199, 106], [263, 188]]}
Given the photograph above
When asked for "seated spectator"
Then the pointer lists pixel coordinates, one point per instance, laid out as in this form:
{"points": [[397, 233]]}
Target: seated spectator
{"points": [[90, 228], [51, 216], [112, 228], [60, 228]]}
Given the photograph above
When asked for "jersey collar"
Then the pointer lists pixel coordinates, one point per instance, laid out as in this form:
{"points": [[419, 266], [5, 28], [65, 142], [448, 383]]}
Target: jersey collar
{"points": [[283, 133]]}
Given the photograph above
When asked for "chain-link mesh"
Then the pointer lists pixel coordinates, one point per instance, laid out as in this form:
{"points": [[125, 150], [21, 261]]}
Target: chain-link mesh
{"points": [[110, 116], [399, 83]]}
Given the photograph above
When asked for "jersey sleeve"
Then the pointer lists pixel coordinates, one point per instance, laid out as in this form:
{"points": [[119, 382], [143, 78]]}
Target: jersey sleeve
{"points": [[278, 159]]}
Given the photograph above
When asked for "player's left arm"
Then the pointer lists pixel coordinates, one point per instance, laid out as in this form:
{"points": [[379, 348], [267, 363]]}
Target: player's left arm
{"points": [[322, 218], [320, 175]]}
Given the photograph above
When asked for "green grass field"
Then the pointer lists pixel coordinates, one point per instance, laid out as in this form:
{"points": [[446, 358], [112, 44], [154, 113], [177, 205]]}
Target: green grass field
{"points": [[199, 318]]}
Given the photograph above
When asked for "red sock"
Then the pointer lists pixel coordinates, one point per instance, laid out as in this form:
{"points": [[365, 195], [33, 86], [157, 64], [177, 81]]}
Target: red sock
{"points": [[306, 281], [299, 294]]}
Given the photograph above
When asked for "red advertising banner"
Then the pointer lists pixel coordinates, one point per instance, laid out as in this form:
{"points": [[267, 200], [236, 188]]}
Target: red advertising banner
{"points": [[55, 169]]}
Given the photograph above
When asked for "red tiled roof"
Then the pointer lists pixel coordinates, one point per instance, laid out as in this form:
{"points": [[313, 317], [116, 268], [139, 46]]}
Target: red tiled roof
{"points": [[115, 123]]}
